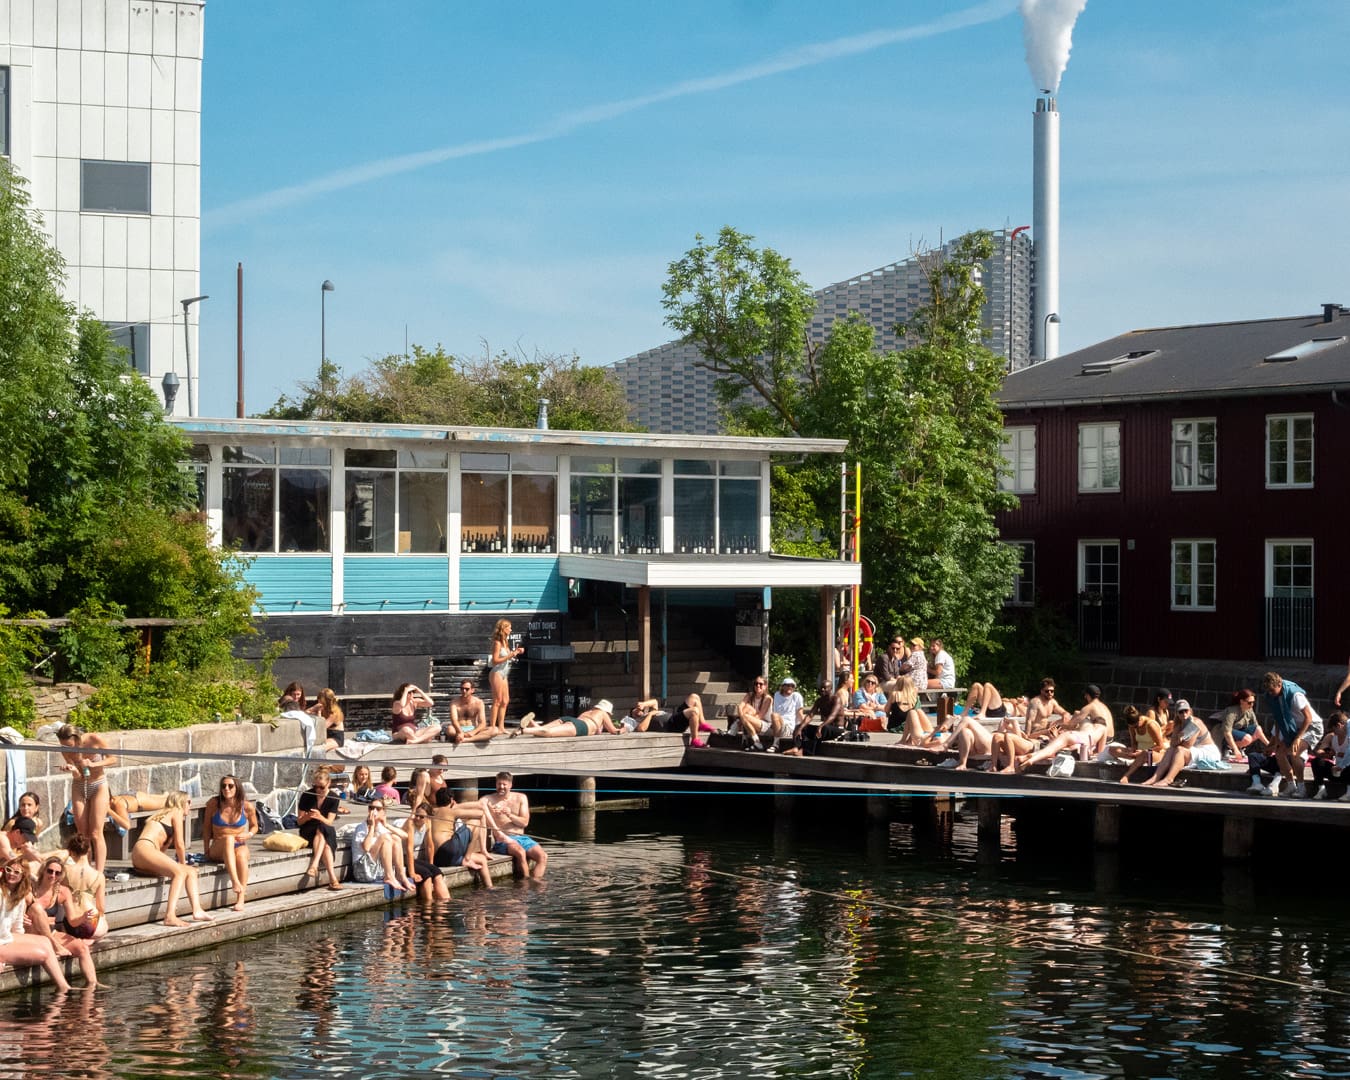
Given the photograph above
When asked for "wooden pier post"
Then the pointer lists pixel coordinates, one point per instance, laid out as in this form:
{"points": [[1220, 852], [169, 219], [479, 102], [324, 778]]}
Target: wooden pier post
{"points": [[1238, 836], [989, 826], [1106, 825], [878, 809], [585, 792]]}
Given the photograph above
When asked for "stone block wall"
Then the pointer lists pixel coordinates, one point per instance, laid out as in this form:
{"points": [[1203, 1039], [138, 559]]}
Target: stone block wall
{"points": [[1207, 684]]}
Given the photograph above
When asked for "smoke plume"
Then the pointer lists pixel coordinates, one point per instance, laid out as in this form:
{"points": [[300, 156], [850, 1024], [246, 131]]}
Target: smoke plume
{"points": [[1047, 27]]}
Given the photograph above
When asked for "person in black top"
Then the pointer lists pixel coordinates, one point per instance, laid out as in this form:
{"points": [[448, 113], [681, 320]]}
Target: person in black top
{"points": [[318, 812]]}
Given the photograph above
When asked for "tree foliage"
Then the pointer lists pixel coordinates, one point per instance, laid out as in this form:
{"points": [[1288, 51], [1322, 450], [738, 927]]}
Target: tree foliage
{"points": [[921, 423], [432, 386], [96, 514]]}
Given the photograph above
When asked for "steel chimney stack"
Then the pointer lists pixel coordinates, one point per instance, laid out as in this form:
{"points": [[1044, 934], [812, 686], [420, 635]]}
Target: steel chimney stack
{"points": [[1045, 229]]}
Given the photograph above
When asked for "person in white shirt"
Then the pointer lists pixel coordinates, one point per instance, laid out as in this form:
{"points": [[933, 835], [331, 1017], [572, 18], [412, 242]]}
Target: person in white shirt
{"points": [[943, 665], [786, 708]]}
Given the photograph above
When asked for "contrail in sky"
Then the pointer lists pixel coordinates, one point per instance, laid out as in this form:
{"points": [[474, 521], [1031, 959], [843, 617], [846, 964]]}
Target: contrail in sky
{"points": [[792, 60]]}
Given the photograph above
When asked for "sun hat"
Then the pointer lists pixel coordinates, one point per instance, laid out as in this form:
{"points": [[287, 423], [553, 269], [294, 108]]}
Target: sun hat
{"points": [[605, 705]]}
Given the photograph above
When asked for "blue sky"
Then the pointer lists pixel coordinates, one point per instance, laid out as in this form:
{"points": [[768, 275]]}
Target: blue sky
{"points": [[521, 176]]}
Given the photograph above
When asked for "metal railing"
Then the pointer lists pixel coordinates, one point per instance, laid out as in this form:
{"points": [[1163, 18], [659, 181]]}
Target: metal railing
{"points": [[1289, 627]]}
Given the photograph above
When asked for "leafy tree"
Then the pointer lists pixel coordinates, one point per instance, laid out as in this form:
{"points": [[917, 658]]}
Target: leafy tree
{"points": [[96, 514], [921, 423], [436, 387]]}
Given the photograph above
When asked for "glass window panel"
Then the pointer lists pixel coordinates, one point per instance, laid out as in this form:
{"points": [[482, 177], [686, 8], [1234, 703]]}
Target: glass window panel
{"points": [[134, 338], [695, 515], [371, 459], [116, 187], [423, 459], [693, 467], [482, 511], [534, 463], [740, 468], [640, 514], [592, 509], [199, 452], [247, 503], [421, 511], [484, 462], [370, 511], [629, 466], [739, 515], [592, 465], [304, 455], [303, 504], [534, 513], [249, 455]]}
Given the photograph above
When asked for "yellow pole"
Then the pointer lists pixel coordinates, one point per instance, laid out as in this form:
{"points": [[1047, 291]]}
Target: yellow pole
{"points": [[857, 558]]}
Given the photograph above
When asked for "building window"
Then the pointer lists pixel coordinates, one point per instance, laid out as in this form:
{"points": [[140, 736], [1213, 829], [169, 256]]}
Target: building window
{"points": [[115, 187], [134, 341], [275, 500], [396, 501], [616, 498], [1194, 455], [196, 466], [1289, 451], [1099, 457], [716, 506], [4, 112], [1024, 581], [1193, 575], [508, 502], [1019, 454], [1289, 568]]}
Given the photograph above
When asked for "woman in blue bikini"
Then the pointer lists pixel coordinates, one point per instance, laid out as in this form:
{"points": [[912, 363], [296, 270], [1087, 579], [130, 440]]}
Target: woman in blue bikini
{"points": [[231, 822], [502, 655]]}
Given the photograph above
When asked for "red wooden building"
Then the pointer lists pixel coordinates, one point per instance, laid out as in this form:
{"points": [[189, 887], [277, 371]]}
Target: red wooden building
{"points": [[1183, 490]]}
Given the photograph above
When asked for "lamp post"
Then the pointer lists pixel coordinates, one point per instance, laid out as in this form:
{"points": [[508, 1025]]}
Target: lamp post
{"points": [[324, 290], [1053, 317], [187, 347]]}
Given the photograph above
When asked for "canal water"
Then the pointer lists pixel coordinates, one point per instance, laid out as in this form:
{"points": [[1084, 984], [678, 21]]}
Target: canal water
{"points": [[722, 943]]}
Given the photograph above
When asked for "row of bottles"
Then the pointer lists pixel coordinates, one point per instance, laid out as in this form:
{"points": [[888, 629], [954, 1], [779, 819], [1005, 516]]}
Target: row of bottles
{"points": [[743, 544], [483, 543], [488, 542]]}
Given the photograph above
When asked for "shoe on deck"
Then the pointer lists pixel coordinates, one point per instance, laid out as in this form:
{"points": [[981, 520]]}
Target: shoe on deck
{"points": [[698, 744]]}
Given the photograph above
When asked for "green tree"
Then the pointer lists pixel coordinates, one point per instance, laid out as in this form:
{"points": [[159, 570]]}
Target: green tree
{"points": [[96, 513], [435, 387], [922, 424]]}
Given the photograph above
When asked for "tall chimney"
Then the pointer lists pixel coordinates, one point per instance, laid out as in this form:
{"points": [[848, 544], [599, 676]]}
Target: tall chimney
{"points": [[1045, 229]]}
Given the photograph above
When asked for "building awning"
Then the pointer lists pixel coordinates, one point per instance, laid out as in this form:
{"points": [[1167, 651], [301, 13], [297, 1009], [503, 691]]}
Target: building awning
{"points": [[713, 571]]}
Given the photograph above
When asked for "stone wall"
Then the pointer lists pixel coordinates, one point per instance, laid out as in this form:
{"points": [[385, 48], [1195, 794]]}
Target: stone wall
{"points": [[1207, 684], [55, 702]]}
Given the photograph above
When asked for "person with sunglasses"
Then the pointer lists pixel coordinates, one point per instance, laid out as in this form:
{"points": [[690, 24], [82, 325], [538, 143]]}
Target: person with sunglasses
{"points": [[754, 714], [231, 822], [51, 895], [417, 854], [377, 851], [318, 811], [468, 717], [17, 947]]}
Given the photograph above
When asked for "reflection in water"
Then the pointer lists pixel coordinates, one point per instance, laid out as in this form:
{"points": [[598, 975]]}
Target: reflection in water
{"points": [[746, 955]]}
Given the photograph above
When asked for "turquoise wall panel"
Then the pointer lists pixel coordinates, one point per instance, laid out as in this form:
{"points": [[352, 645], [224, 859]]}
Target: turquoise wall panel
{"points": [[290, 584], [395, 583], [511, 583]]}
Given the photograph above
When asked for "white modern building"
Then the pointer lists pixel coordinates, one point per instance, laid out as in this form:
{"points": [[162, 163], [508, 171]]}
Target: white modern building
{"points": [[100, 110]]}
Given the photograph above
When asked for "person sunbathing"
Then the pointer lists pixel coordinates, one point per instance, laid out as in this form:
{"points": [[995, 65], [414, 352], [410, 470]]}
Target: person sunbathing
{"points": [[1082, 733]]}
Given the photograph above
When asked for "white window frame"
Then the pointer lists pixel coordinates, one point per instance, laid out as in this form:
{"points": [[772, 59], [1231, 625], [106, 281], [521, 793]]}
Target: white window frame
{"points": [[1193, 562], [1300, 541], [1083, 545], [1191, 444], [1290, 459], [1024, 585], [1092, 456], [1019, 458]]}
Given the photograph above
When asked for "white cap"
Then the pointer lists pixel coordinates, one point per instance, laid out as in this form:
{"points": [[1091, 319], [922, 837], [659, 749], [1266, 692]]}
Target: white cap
{"points": [[605, 705]]}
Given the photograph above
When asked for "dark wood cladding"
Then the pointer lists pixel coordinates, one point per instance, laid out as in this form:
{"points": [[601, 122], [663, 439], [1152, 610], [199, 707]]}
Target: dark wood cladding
{"points": [[1146, 515]]}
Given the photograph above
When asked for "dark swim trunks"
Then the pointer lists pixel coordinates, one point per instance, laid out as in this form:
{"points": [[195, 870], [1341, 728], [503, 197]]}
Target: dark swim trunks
{"points": [[452, 851]]}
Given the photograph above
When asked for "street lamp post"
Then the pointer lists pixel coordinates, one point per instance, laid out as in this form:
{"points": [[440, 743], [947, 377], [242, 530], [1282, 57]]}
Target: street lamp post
{"points": [[187, 348], [1053, 317], [324, 290]]}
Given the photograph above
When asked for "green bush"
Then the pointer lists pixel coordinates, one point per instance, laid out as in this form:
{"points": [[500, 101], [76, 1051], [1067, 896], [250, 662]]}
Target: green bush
{"points": [[20, 647], [1025, 647], [94, 647]]}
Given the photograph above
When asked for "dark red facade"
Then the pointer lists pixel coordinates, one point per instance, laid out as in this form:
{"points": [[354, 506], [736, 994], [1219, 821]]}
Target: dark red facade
{"points": [[1241, 515]]}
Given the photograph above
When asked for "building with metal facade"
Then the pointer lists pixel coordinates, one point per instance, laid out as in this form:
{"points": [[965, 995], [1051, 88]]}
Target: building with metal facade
{"points": [[668, 390]]}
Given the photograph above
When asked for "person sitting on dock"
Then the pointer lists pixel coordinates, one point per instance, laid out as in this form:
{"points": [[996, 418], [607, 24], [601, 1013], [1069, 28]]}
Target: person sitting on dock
{"points": [[1148, 742], [1193, 746], [230, 823], [916, 667], [386, 788], [942, 666], [19, 834], [787, 707], [824, 723], [460, 834], [17, 948], [377, 851], [417, 855], [1238, 728], [292, 699], [1084, 732], [436, 773], [317, 815], [1330, 758], [869, 702], [1297, 729], [904, 715], [511, 812], [889, 666], [148, 855], [327, 709], [596, 720], [1161, 712], [754, 715], [1044, 713], [51, 897], [86, 915], [403, 707], [468, 717]]}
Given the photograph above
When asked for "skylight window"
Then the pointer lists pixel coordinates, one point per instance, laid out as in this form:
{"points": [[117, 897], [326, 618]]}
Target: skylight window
{"points": [[1305, 348], [1105, 367]]}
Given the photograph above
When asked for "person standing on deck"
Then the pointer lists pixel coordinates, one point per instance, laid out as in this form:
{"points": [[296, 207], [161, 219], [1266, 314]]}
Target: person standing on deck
{"points": [[1297, 729], [1345, 685]]}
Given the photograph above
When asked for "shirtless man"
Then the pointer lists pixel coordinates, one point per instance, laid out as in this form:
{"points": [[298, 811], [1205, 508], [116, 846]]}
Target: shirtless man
{"points": [[460, 833], [593, 721], [468, 718], [1086, 732], [511, 809]]}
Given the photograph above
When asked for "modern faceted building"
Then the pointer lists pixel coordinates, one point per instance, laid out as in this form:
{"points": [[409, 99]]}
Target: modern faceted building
{"points": [[100, 111], [669, 392]]}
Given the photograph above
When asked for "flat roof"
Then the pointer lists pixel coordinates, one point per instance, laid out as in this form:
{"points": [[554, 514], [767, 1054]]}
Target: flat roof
{"points": [[713, 572], [475, 436]]}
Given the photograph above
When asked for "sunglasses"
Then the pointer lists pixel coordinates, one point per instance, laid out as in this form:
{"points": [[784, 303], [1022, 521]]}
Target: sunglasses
{"points": [[54, 871], [226, 787], [466, 686]]}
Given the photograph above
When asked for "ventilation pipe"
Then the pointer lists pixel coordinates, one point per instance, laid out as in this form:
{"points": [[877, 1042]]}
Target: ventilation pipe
{"points": [[541, 421]]}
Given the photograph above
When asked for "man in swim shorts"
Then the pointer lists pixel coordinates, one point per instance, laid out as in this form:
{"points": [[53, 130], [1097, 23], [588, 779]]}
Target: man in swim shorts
{"points": [[511, 810], [591, 722]]}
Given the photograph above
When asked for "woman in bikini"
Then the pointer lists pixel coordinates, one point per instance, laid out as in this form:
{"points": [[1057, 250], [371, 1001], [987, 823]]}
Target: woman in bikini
{"points": [[89, 795], [88, 901], [121, 807], [17, 948], [51, 896], [403, 715], [317, 815], [231, 822], [1149, 742], [149, 856], [500, 661], [326, 707]]}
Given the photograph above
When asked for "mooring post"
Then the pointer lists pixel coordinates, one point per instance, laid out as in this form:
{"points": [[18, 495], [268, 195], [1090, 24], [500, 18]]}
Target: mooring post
{"points": [[585, 792], [989, 825], [1106, 825], [878, 809], [1238, 836]]}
